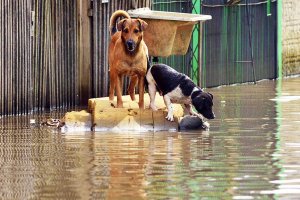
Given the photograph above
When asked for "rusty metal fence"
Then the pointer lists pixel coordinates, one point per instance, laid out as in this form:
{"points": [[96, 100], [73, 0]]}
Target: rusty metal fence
{"points": [[39, 54], [55, 63], [15, 56]]}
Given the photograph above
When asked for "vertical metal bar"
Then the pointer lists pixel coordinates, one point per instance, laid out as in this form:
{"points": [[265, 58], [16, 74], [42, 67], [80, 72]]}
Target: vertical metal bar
{"points": [[9, 77], [58, 53], [268, 7], [250, 39], [200, 25], [15, 57], [279, 40], [71, 42], [61, 66], [96, 33], [76, 55], [1, 59], [24, 49], [29, 57]]}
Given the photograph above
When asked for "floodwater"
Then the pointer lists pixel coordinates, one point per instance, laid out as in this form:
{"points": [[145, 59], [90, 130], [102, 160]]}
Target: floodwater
{"points": [[252, 151]]}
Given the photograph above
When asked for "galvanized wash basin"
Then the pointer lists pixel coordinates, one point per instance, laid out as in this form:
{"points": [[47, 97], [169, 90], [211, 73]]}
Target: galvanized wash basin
{"points": [[168, 33]]}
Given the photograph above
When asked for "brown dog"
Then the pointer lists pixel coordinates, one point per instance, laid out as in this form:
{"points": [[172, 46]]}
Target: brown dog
{"points": [[128, 55]]}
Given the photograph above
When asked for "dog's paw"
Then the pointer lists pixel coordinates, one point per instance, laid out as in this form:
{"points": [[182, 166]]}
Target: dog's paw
{"points": [[120, 105], [111, 98], [141, 106], [153, 107], [132, 96], [205, 125], [170, 118]]}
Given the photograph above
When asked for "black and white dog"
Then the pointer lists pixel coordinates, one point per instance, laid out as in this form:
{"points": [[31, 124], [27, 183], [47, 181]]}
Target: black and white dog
{"points": [[178, 88]]}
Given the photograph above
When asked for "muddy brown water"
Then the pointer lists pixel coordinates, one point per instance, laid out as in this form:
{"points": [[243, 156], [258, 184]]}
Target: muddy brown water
{"points": [[252, 151]]}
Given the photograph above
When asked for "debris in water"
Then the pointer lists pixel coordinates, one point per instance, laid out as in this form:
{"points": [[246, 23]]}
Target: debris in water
{"points": [[53, 122], [191, 122]]}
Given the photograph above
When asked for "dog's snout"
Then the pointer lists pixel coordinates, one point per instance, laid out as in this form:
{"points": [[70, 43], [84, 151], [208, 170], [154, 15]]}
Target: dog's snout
{"points": [[130, 45]]}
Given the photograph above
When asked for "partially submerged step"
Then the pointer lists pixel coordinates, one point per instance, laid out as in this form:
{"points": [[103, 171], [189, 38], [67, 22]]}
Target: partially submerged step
{"points": [[103, 116], [78, 121]]}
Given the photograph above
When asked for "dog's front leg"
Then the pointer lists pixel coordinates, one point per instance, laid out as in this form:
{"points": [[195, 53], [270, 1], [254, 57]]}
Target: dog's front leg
{"points": [[170, 108], [119, 91], [141, 92], [131, 87], [192, 112], [112, 85], [152, 93]]}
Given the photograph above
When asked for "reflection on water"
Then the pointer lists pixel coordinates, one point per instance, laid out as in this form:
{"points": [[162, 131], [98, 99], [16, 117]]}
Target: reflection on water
{"points": [[251, 151]]}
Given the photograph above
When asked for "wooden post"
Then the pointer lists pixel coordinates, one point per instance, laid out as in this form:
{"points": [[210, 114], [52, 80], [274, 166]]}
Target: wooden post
{"points": [[84, 51]]}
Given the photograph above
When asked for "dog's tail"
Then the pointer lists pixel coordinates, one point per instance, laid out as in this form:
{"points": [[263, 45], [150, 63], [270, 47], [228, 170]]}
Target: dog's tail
{"points": [[114, 18]]}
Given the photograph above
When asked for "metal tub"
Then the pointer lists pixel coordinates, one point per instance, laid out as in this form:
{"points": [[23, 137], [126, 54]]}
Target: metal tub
{"points": [[168, 33]]}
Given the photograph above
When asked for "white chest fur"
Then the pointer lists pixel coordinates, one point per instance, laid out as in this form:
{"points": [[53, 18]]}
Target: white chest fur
{"points": [[176, 96]]}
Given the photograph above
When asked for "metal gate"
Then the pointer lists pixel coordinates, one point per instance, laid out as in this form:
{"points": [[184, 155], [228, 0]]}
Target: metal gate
{"points": [[226, 47]]}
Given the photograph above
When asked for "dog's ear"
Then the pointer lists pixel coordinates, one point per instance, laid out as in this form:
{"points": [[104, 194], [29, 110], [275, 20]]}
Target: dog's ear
{"points": [[120, 24], [198, 102], [212, 97], [143, 24]]}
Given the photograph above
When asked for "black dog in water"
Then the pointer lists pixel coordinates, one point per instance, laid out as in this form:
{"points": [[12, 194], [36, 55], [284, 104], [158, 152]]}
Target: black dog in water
{"points": [[178, 88]]}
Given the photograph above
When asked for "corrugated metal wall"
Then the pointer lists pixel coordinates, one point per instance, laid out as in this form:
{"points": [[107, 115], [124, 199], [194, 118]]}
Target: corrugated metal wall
{"points": [[15, 57], [100, 37], [55, 60], [226, 41], [38, 55]]}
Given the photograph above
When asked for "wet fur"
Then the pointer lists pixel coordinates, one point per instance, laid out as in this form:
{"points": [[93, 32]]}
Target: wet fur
{"points": [[128, 55]]}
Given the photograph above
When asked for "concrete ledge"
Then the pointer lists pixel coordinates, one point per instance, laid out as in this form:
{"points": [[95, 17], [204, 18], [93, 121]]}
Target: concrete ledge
{"points": [[102, 115], [79, 121]]}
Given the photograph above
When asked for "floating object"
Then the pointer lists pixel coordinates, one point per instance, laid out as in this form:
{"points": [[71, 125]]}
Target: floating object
{"points": [[189, 122], [52, 122]]}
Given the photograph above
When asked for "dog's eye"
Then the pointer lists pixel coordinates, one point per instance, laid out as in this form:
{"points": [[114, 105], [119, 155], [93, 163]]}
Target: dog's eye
{"points": [[136, 31], [125, 30]]}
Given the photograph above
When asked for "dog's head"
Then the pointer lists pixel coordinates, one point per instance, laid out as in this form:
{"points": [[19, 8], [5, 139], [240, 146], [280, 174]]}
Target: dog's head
{"points": [[203, 103], [132, 33]]}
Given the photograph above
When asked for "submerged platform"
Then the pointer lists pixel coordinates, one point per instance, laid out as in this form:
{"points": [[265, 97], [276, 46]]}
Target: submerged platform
{"points": [[102, 115]]}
